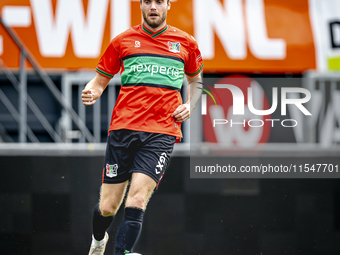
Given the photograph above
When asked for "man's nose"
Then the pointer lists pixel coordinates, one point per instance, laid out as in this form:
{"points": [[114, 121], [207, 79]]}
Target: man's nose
{"points": [[153, 5]]}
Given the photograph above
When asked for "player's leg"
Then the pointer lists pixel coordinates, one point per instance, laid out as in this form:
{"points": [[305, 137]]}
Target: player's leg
{"points": [[149, 164], [111, 198], [140, 191], [118, 157]]}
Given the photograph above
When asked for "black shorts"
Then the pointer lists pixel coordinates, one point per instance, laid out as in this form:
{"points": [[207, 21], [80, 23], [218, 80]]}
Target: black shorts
{"points": [[131, 151]]}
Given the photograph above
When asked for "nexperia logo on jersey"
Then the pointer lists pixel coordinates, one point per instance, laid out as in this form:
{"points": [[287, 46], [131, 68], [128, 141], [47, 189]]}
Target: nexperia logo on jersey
{"points": [[154, 69]]}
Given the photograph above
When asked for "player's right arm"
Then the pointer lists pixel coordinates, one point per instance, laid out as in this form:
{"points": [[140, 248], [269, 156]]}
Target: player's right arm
{"points": [[94, 89], [108, 66]]}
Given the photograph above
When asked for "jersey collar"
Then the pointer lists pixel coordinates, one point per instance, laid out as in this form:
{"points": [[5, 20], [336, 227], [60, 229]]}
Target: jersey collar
{"points": [[154, 34]]}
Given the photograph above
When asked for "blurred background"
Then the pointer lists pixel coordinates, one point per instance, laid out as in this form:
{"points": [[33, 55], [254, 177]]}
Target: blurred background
{"points": [[52, 147]]}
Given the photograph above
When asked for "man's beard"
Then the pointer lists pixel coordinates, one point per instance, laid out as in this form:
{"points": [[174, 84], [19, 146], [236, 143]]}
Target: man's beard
{"points": [[154, 24]]}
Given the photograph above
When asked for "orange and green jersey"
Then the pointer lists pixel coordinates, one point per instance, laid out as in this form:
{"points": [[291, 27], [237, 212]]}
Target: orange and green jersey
{"points": [[152, 67]]}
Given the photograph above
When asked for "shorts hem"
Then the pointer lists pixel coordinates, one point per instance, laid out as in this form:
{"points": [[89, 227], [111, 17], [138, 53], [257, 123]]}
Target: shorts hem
{"points": [[146, 173], [146, 131], [114, 181]]}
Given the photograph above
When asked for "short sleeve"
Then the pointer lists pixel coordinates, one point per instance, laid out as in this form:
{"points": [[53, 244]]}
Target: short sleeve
{"points": [[109, 63], [194, 65]]}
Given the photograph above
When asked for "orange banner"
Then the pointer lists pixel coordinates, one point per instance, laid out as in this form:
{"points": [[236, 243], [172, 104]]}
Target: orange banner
{"points": [[234, 35]]}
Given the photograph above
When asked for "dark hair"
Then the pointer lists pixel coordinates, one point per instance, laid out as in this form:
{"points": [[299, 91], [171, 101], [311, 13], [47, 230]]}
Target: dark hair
{"points": [[142, 0]]}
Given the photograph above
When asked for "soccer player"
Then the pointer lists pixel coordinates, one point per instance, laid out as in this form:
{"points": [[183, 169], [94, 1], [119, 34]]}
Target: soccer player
{"points": [[146, 120]]}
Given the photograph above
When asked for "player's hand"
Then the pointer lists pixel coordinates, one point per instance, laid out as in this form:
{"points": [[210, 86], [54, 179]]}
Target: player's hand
{"points": [[182, 113], [87, 96]]}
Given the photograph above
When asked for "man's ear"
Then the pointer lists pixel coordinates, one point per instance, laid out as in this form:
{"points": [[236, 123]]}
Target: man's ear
{"points": [[169, 5]]}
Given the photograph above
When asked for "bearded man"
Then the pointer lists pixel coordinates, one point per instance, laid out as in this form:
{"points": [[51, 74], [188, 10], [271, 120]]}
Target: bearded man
{"points": [[146, 121]]}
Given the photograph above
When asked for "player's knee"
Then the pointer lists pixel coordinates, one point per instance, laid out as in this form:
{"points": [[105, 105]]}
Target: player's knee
{"points": [[136, 200], [107, 209]]}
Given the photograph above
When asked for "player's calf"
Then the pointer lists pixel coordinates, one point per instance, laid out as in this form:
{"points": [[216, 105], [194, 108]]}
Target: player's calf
{"points": [[129, 230]]}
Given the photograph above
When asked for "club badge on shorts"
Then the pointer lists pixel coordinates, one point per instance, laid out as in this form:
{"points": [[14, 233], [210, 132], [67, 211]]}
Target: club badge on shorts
{"points": [[111, 170], [174, 47]]}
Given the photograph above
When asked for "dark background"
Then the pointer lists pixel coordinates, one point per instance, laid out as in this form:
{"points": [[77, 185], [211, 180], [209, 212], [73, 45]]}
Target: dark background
{"points": [[47, 202]]}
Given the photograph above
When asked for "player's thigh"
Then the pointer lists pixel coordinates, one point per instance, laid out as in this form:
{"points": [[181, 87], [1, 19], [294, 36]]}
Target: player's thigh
{"points": [[153, 156], [119, 155], [111, 197], [140, 191]]}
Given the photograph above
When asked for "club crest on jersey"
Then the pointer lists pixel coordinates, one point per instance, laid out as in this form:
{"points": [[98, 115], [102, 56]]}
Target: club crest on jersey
{"points": [[174, 47], [111, 170]]}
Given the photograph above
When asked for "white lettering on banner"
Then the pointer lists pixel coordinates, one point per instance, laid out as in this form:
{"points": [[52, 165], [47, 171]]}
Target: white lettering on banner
{"points": [[319, 34], [87, 34], [324, 17], [260, 45], [228, 23], [120, 16], [226, 135], [17, 16]]}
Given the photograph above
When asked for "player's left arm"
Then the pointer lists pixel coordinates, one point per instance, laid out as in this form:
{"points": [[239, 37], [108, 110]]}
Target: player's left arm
{"points": [[94, 89], [183, 112]]}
